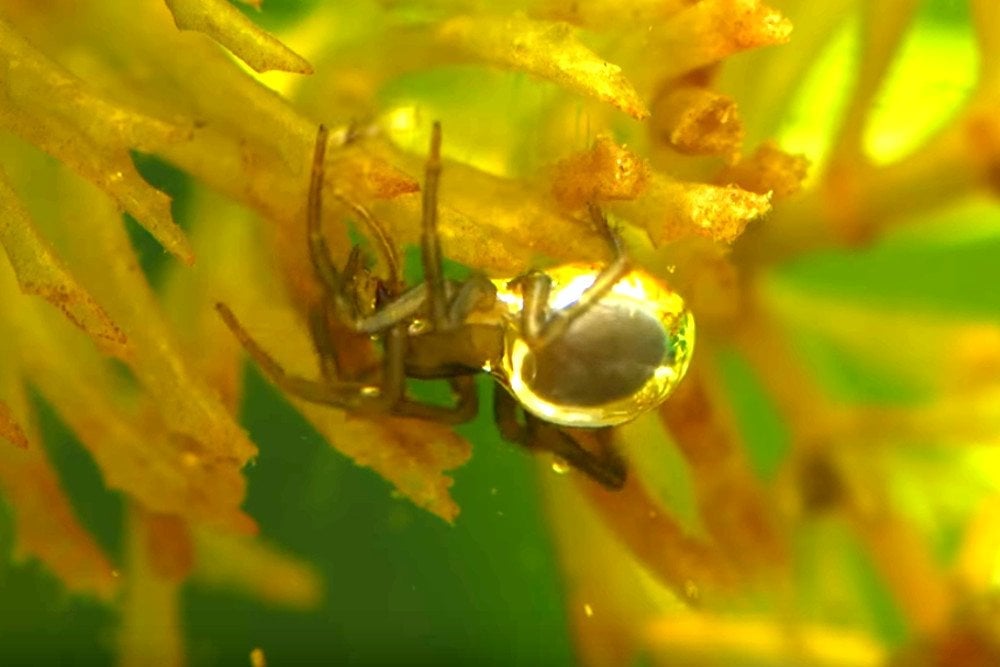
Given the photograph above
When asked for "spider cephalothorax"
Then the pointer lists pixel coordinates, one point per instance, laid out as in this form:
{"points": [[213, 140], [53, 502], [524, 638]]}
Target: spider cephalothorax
{"points": [[579, 345]]}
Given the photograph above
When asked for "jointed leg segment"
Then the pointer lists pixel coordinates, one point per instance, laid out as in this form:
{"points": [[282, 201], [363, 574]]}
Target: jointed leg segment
{"points": [[430, 243], [605, 467], [539, 324], [339, 394], [391, 320]]}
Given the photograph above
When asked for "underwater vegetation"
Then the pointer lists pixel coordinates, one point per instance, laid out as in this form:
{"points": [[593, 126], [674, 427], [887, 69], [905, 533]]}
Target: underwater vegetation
{"points": [[818, 181]]}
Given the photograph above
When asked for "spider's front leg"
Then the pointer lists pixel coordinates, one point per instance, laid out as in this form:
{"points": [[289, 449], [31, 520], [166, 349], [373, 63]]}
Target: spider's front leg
{"points": [[387, 396], [335, 393], [339, 310], [335, 302], [446, 309]]}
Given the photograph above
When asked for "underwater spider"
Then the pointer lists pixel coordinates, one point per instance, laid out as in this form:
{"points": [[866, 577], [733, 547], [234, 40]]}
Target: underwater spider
{"points": [[585, 346]]}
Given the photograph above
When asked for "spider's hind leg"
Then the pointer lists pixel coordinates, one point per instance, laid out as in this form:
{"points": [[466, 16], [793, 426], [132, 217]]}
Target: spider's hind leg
{"points": [[606, 467], [465, 409]]}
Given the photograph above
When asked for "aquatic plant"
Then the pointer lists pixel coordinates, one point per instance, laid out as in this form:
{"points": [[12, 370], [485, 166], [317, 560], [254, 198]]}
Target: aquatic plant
{"points": [[819, 490]]}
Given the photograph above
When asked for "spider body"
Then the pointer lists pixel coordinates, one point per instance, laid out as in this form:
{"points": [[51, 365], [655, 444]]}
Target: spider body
{"points": [[619, 358], [587, 346]]}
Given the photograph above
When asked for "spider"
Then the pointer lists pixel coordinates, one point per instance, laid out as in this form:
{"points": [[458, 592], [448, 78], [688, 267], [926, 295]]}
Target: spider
{"points": [[579, 345]]}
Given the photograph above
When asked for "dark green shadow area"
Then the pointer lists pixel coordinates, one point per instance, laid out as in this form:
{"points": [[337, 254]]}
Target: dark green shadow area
{"points": [[937, 282], [274, 15], [956, 279], [761, 425], [884, 613], [40, 622], [402, 586], [947, 12], [100, 511], [177, 185]]}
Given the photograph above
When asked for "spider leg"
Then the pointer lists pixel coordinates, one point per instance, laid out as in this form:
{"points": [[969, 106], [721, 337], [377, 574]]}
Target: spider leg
{"points": [[319, 251], [600, 222], [394, 366], [605, 468], [430, 242], [359, 396], [446, 310], [340, 302], [348, 302], [536, 287], [464, 299], [338, 394], [392, 395], [386, 247], [466, 406], [541, 326], [319, 331], [469, 296], [400, 309], [334, 283]]}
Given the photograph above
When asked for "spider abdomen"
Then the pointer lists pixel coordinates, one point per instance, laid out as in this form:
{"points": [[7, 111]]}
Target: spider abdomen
{"points": [[621, 357]]}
